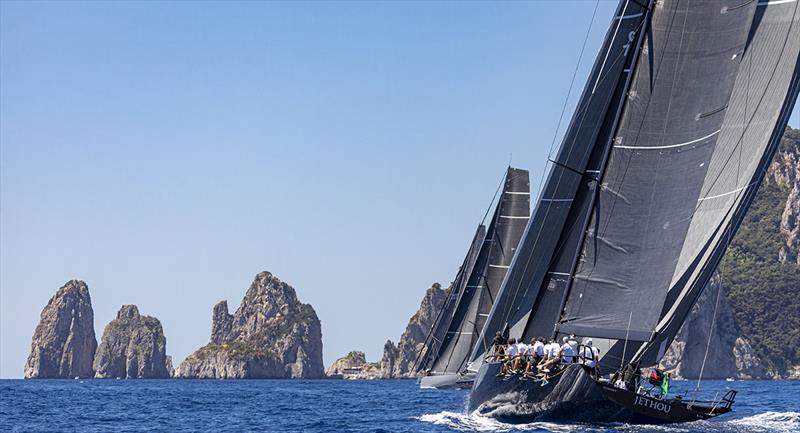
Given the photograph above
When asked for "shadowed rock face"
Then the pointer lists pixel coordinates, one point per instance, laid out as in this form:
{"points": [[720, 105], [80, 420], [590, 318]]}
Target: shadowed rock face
{"points": [[64, 343], [133, 346], [729, 355], [271, 335], [399, 360]]}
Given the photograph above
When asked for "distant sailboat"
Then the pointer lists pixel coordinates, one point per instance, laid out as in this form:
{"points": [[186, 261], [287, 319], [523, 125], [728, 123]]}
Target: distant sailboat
{"points": [[457, 329], [681, 115]]}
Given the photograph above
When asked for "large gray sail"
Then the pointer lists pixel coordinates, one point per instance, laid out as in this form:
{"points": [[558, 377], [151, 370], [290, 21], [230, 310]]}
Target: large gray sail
{"points": [[536, 277], [693, 145], [766, 89], [661, 154], [444, 317], [502, 237]]}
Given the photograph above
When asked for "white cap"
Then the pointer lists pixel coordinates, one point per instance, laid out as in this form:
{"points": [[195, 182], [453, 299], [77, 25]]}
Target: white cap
{"points": [[588, 341]]}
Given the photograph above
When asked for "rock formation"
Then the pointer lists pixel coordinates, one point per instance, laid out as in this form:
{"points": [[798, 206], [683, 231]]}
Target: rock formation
{"points": [[133, 346], [399, 360], [785, 172], [353, 360], [354, 366], [728, 355], [271, 335], [64, 342]]}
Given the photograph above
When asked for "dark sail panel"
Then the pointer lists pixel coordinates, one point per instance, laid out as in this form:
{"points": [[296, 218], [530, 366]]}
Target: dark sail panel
{"points": [[570, 170], [502, 237], [672, 120], [445, 316], [514, 213], [766, 89]]}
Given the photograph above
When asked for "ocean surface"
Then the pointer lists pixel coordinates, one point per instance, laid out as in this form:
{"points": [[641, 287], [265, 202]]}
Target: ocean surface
{"points": [[327, 406]]}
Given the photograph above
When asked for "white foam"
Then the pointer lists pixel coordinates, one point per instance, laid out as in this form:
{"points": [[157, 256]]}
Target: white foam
{"points": [[474, 422], [788, 422]]}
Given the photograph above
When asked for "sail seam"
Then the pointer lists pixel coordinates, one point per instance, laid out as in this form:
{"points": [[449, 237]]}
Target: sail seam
{"points": [[774, 2], [726, 193], [671, 146]]}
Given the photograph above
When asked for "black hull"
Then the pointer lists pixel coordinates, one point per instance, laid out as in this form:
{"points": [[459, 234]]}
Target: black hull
{"points": [[572, 396]]}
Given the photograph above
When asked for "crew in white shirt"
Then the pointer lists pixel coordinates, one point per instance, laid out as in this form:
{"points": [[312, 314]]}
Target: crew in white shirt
{"points": [[567, 352], [590, 354]]}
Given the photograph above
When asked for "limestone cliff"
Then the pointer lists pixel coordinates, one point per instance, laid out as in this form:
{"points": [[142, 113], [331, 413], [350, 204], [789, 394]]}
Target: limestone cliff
{"points": [[133, 346], [785, 173], [399, 360], [271, 335], [757, 328], [729, 354], [64, 343]]}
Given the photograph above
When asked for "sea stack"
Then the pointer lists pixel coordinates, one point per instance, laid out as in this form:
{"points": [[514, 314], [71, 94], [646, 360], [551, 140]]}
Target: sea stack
{"points": [[398, 361], [133, 347], [64, 343], [271, 335]]}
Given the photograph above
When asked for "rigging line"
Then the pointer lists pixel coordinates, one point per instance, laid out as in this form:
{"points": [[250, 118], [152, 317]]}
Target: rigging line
{"points": [[711, 330], [497, 191], [580, 112], [569, 93], [572, 82], [625, 346], [616, 31]]}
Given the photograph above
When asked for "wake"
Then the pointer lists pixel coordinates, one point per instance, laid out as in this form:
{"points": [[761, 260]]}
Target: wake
{"points": [[767, 422]]}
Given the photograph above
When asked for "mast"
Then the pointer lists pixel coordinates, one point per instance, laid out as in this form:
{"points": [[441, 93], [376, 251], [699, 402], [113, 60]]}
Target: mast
{"points": [[502, 236], [445, 315], [536, 279]]}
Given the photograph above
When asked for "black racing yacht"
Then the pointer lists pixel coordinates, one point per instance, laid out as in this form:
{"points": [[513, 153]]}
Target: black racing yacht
{"points": [[459, 323], [681, 115]]}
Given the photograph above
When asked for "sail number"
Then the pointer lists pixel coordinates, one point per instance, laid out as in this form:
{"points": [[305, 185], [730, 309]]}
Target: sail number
{"points": [[626, 47]]}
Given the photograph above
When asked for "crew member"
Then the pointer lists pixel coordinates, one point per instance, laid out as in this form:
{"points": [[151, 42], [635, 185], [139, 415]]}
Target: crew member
{"points": [[566, 350], [590, 354]]}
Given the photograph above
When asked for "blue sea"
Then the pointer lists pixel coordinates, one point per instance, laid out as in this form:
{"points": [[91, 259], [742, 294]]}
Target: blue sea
{"points": [[327, 406]]}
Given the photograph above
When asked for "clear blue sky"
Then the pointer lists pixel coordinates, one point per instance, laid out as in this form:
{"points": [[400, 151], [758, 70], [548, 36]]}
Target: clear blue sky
{"points": [[167, 152]]}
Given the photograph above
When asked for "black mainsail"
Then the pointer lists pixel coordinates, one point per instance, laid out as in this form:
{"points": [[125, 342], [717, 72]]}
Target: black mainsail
{"points": [[484, 281], [695, 111], [440, 325]]}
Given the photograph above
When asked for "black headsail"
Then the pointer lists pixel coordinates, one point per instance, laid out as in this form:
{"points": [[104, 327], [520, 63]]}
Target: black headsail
{"points": [[538, 276], [440, 325], [483, 283]]}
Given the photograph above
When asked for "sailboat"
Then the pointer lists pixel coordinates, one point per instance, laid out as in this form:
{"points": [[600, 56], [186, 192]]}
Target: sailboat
{"points": [[675, 128], [457, 328]]}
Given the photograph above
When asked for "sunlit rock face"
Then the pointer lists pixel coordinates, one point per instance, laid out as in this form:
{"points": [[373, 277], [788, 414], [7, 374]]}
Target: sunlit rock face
{"points": [[64, 342], [133, 347], [271, 335]]}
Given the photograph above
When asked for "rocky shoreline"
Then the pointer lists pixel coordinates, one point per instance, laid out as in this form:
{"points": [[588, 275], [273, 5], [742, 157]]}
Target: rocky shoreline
{"points": [[271, 335], [274, 335]]}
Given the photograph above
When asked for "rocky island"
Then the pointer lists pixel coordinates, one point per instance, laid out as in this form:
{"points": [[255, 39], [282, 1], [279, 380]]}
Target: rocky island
{"points": [[133, 347], [398, 359], [64, 342], [271, 335]]}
